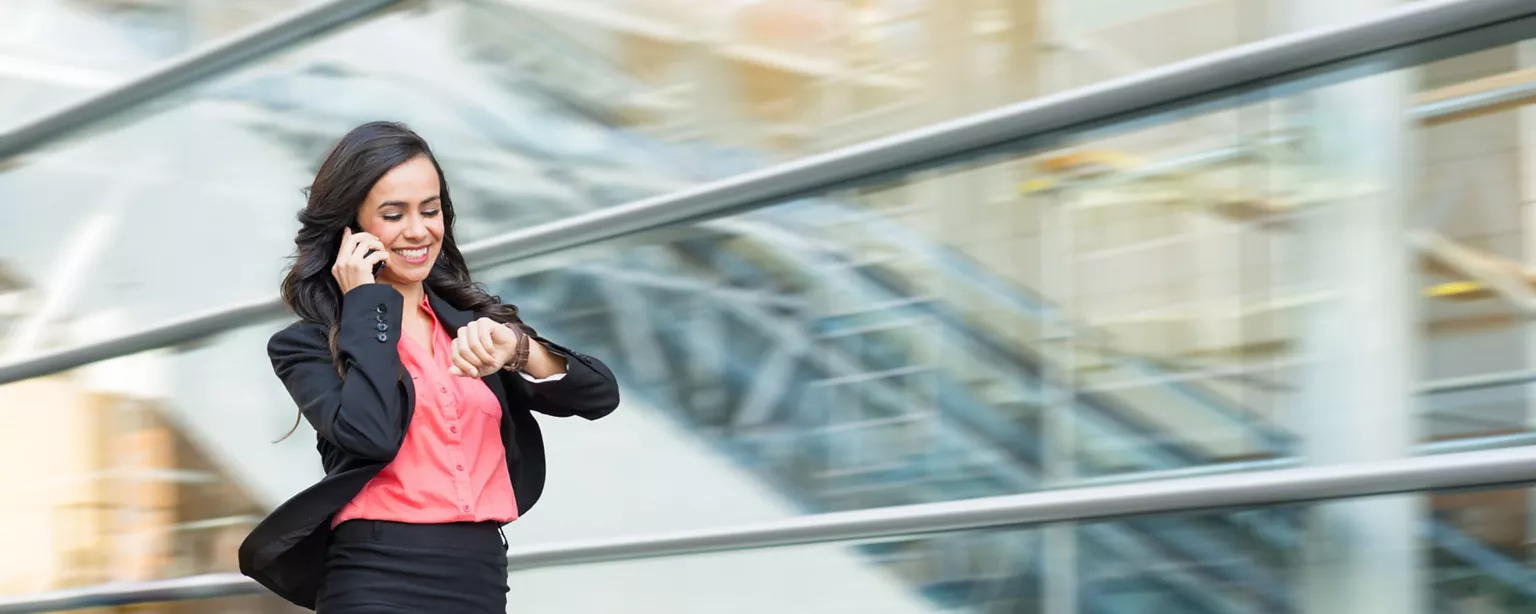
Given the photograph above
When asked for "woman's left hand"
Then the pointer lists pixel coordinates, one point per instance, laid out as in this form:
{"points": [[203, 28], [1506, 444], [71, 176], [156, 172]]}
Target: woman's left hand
{"points": [[482, 348]]}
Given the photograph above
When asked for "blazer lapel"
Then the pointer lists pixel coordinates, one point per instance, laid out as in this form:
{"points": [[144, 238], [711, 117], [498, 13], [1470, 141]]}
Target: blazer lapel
{"points": [[452, 318]]}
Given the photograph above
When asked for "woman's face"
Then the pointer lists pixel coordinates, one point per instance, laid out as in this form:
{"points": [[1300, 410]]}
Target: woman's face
{"points": [[405, 212]]}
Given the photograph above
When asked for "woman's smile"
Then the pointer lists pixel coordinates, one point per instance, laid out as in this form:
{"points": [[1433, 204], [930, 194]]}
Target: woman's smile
{"points": [[412, 255]]}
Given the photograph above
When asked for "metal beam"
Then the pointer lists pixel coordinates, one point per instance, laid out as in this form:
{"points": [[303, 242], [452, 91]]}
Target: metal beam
{"points": [[176, 332], [1299, 59], [1224, 75], [260, 41], [1478, 382], [1506, 279], [208, 586], [1504, 468], [1477, 97]]}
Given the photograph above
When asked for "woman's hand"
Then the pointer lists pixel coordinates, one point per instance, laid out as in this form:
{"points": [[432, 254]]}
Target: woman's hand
{"points": [[483, 347], [354, 265]]}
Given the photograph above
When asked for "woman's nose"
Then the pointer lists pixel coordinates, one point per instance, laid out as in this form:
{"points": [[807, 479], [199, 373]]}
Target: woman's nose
{"points": [[415, 229]]}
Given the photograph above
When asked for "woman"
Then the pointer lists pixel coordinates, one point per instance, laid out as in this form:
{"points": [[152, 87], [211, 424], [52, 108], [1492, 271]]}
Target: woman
{"points": [[419, 386]]}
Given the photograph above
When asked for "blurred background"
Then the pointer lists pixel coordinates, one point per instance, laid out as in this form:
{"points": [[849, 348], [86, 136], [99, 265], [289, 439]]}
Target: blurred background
{"points": [[1304, 274]]}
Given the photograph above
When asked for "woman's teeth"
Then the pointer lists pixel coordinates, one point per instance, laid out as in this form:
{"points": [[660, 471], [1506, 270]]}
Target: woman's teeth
{"points": [[412, 254]]}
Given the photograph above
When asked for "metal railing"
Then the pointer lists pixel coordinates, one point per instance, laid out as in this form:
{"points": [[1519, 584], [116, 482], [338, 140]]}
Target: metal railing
{"points": [[261, 40], [1463, 470], [1390, 40]]}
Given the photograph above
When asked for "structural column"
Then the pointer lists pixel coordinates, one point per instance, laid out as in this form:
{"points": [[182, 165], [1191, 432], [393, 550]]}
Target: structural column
{"points": [[1040, 55], [1358, 346], [1526, 59]]}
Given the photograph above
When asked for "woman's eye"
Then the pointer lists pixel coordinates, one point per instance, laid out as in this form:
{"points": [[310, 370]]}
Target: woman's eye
{"points": [[393, 218], [430, 212]]}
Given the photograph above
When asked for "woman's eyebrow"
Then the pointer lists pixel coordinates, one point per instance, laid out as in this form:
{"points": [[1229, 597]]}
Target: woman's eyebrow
{"points": [[401, 203]]}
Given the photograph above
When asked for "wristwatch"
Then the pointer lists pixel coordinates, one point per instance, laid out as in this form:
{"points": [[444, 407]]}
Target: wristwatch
{"points": [[519, 357]]}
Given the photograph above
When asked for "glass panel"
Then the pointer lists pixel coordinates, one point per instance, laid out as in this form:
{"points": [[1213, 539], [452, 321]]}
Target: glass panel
{"points": [[747, 82], [224, 165], [1468, 555], [518, 153], [721, 90], [57, 53], [1135, 304], [1474, 200]]}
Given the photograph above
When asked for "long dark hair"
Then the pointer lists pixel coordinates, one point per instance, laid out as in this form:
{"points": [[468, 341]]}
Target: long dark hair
{"points": [[346, 176]]}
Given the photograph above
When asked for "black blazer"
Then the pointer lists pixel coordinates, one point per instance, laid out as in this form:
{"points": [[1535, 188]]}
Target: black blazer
{"points": [[361, 421]]}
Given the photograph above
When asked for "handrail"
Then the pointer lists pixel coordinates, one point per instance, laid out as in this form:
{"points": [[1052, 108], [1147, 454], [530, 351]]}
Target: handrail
{"points": [[259, 41], [1463, 470], [1177, 86], [1478, 382]]}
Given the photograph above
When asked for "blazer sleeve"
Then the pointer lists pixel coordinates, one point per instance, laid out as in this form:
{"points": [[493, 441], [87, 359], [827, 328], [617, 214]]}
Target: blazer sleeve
{"points": [[363, 412], [588, 389]]}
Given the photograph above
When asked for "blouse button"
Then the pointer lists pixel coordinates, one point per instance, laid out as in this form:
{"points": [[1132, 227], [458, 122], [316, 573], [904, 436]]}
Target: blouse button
{"points": [[442, 389], [460, 467], [453, 429], [466, 508]]}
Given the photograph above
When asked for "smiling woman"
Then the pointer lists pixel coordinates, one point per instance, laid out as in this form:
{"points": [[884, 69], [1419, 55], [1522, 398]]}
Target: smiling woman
{"points": [[420, 387]]}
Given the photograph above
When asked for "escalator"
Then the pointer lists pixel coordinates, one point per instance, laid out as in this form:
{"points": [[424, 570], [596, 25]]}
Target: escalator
{"points": [[797, 445], [1254, 540], [816, 371], [793, 443], [573, 182], [825, 406]]}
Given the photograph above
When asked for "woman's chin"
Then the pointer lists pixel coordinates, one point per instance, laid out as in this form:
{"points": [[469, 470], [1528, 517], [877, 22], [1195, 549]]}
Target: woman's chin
{"points": [[407, 277], [398, 271]]}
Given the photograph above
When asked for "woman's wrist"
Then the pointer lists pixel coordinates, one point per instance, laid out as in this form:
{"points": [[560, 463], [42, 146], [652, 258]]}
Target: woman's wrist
{"points": [[544, 362], [520, 353]]}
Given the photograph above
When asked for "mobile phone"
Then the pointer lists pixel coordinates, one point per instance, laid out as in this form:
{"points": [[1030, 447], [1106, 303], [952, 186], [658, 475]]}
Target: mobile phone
{"points": [[356, 227]]}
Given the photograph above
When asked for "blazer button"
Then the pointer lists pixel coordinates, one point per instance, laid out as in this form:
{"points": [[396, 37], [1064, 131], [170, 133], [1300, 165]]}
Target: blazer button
{"points": [[379, 317], [383, 337], [382, 327], [381, 308]]}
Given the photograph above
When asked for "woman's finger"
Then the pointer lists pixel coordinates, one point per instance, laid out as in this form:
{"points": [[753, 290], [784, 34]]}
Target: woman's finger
{"points": [[460, 361], [364, 245], [346, 244], [474, 338], [486, 334], [462, 347], [462, 368], [503, 335]]}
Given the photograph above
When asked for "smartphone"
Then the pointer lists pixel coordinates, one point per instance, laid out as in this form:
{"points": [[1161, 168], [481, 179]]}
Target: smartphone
{"points": [[356, 228]]}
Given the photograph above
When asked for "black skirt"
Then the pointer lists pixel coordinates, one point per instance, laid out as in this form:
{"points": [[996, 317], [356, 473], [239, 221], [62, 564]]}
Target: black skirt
{"points": [[377, 567]]}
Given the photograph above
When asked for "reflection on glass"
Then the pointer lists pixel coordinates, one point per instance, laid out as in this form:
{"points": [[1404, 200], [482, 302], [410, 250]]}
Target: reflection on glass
{"points": [[1125, 307], [55, 54], [1239, 561]]}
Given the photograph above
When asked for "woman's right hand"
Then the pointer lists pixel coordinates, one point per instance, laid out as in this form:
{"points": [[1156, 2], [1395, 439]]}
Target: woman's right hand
{"points": [[354, 265]]}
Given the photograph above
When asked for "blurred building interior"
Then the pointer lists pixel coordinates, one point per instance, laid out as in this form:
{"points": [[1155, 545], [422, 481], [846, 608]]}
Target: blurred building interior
{"points": [[1309, 274]]}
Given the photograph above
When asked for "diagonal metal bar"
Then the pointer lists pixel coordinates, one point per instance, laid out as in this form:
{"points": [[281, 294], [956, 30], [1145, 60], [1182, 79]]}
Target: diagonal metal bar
{"points": [[1504, 280], [1464, 470], [275, 35], [1300, 59]]}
